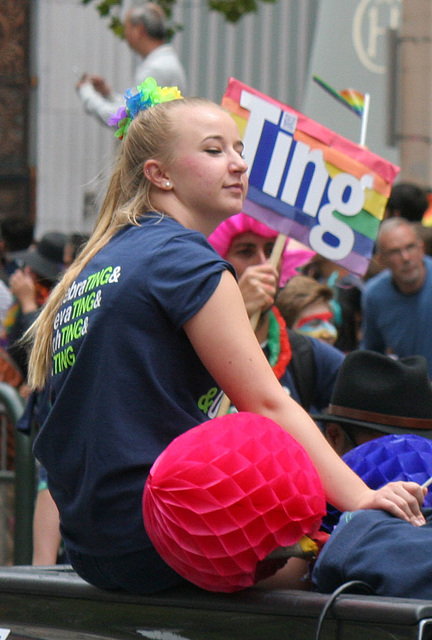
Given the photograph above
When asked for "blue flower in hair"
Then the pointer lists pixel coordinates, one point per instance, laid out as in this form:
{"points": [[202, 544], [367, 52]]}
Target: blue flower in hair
{"points": [[148, 94]]}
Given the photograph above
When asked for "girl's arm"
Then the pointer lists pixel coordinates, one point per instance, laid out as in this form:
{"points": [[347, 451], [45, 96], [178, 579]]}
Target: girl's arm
{"points": [[223, 339]]}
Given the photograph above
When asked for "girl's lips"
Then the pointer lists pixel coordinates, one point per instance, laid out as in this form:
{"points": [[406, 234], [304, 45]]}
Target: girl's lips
{"points": [[238, 186]]}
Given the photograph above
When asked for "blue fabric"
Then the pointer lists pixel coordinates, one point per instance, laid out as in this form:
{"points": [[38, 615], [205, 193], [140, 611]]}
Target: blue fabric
{"points": [[140, 572], [386, 459], [393, 556], [36, 411], [328, 361], [118, 398], [392, 320]]}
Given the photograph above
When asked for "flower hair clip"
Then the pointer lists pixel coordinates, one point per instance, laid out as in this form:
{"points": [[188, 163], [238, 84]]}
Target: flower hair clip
{"points": [[148, 94]]}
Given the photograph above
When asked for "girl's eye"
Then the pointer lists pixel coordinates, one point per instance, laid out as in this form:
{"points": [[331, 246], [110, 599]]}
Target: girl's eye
{"points": [[213, 151]]}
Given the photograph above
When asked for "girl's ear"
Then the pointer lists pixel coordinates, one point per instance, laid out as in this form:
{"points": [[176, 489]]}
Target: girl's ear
{"points": [[155, 173]]}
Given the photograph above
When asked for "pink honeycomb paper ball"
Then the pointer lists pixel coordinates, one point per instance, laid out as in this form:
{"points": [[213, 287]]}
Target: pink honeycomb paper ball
{"points": [[225, 494]]}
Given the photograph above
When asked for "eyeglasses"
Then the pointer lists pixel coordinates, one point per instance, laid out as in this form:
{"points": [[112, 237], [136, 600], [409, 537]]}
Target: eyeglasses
{"points": [[409, 250]]}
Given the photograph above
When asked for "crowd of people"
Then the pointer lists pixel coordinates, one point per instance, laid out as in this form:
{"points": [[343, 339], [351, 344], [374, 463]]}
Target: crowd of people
{"points": [[29, 269], [123, 340]]}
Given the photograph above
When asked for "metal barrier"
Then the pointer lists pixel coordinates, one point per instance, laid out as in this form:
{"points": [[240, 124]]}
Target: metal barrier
{"points": [[17, 481]]}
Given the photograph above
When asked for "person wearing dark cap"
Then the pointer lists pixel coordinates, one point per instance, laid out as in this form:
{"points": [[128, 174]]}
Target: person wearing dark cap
{"points": [[31, 285], [375, 396], [46, 258], [39, 269], [381, 407]]}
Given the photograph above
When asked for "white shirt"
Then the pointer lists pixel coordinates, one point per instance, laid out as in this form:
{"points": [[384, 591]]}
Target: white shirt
{"points": [[162, 64]]}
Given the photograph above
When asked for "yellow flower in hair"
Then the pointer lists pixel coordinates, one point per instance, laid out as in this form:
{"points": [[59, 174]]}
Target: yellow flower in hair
{"points": [[170, 93]]}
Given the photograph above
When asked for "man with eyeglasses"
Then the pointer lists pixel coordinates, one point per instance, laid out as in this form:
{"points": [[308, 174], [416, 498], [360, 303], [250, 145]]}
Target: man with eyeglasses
{"points": [[397, 303]]}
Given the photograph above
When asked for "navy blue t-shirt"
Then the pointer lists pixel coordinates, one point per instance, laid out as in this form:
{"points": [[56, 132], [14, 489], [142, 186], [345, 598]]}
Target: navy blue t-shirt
{"points": [[126, 379]]}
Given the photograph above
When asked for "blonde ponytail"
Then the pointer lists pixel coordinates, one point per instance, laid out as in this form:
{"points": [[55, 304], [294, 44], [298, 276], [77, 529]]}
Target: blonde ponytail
{"points": [[152, 134]]}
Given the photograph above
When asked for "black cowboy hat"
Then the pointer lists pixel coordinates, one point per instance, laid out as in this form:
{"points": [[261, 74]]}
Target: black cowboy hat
{"points": [[46, 258], [375, 391]]}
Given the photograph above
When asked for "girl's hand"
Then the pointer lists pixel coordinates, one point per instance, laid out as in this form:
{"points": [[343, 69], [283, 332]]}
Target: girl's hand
{"points": [[402, 499]]}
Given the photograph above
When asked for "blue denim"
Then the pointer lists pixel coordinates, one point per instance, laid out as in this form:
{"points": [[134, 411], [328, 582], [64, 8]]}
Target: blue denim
{"points": [[140, 572]]}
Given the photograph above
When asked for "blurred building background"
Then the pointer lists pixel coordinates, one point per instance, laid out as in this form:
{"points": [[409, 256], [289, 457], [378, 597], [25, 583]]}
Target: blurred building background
{"points": [[54, 157]]}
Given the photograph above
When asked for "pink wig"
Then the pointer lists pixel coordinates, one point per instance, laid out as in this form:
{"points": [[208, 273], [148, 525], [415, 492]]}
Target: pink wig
{"points": [[224, 234]]}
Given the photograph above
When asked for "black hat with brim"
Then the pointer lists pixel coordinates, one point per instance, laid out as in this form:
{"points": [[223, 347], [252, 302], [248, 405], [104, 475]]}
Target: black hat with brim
{"points": [[46, 259], [378, 392]]}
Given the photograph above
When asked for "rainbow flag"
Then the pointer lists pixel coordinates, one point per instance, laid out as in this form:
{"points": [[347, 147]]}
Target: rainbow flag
{"points": [[307, 182], [350, 98]]}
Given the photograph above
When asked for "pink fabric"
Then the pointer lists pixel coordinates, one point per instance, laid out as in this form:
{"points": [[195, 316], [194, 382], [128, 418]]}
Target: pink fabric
{"points": [[223, 235], [225, 494], [292, 259]]}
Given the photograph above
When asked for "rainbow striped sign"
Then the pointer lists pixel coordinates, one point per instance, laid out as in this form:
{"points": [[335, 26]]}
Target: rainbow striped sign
{"points": [[307, 182]]}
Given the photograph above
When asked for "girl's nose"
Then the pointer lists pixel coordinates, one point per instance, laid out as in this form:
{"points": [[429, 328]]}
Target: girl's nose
{"points": [[239, 163]]}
